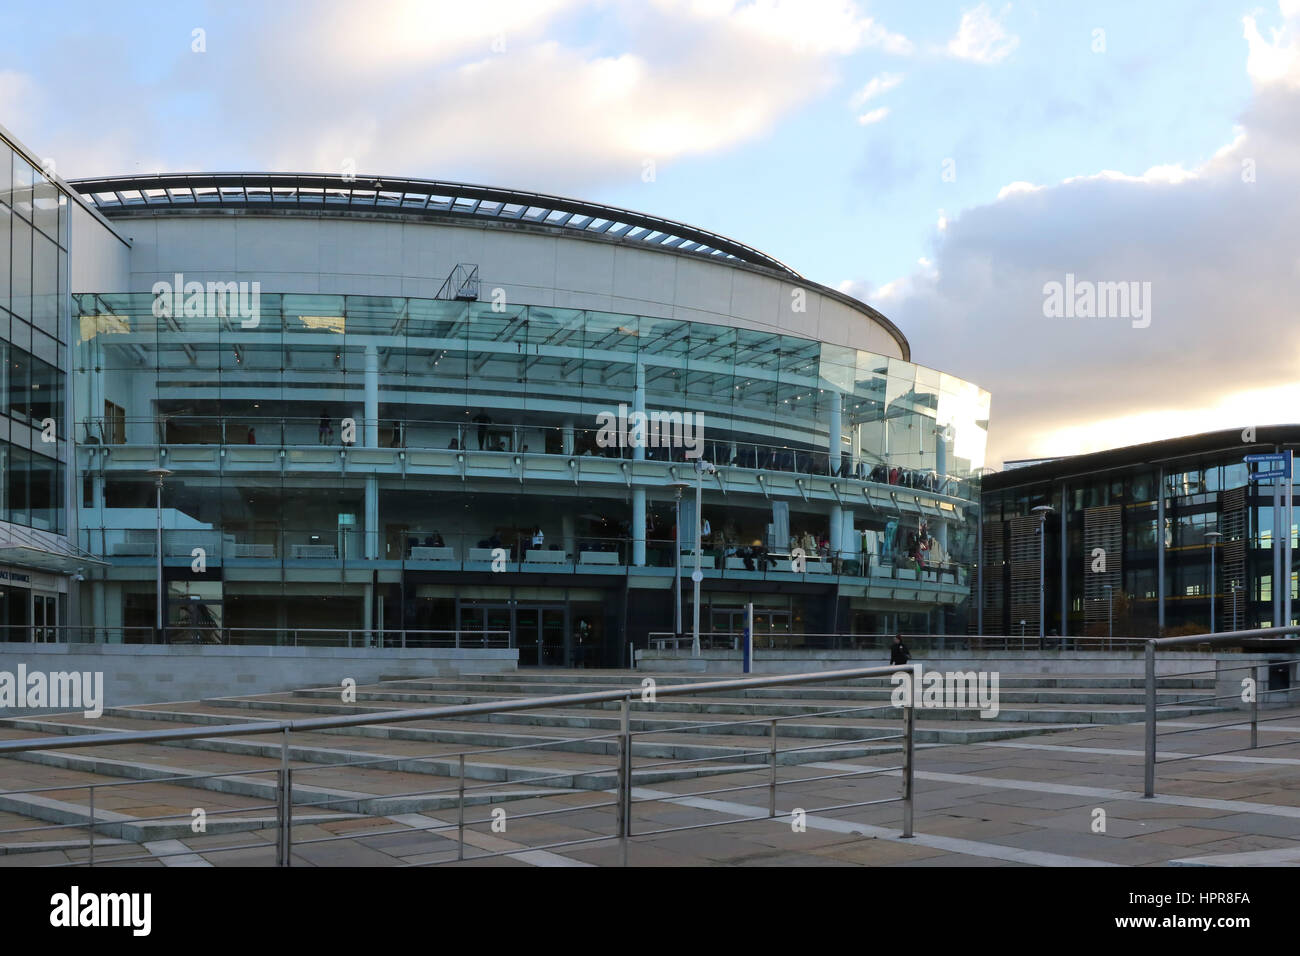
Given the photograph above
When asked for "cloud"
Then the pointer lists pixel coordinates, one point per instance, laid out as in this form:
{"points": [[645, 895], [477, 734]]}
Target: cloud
{"points": [[981, 38], [873, 116], [1217, 242], [878, 84], [510, 91]]}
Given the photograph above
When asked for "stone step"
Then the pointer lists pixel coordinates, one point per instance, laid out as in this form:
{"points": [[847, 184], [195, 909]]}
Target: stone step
{"points": [[1098, 714], [1090, 695], [1136, 680]]}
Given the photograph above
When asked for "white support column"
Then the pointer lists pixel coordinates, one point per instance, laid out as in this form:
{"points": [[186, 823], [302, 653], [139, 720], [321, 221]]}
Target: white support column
{"points": [[372, 518], [638, 492], [835, 439], [567, 536], [372, 397], [567, 437], [850, 543]]}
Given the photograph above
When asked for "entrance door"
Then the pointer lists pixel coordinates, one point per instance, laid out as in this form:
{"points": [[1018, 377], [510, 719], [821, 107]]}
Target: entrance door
{"points": [[553, 644], [45, 617], [541, 635], [772, 628]]}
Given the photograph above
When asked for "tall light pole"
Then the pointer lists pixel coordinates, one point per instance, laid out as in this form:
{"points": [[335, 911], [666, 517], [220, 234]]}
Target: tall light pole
{"points": [[159, 475], [1213, 537], [701, 466], [677, 487], [1042, 511]]}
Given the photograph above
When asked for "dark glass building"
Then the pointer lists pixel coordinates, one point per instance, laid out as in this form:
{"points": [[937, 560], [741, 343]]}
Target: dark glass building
{"points": [[1132, 536]]}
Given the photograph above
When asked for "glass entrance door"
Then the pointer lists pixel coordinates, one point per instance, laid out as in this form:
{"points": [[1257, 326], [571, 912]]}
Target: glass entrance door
{"points": [[45, 617], [541, 635]]}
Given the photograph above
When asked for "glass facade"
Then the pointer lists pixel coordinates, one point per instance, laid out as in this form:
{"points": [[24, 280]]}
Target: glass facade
{"points": [[33, 343], [353, 461], [1143, 517]]}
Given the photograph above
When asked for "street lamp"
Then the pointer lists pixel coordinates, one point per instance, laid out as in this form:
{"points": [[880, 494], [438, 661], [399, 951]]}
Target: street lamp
{"points": [[1042, 511], [701, 467], [1213, 537], [159, 475], [677, 487]]}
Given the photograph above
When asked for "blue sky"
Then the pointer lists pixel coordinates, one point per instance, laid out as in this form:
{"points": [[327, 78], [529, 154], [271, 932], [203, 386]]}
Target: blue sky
{"points": [[757, 119]]}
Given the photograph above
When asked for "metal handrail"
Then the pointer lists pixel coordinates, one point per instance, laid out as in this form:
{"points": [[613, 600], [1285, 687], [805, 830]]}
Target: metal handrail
{"points": [[624, 696], [1227, 638]]}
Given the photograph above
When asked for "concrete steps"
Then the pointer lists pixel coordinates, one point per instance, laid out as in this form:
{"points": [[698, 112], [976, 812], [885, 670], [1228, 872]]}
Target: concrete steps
{"points": [[380, 773]]}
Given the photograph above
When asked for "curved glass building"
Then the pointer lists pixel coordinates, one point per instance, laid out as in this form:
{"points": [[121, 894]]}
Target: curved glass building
{"points": [[409, 412]]}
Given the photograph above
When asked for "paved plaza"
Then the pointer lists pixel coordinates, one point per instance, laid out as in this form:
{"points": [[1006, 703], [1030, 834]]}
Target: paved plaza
{"points": [[1028, 790]]}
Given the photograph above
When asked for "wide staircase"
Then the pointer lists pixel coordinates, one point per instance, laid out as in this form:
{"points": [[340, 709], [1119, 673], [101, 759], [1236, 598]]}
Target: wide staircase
{"points": [[356, 790]]}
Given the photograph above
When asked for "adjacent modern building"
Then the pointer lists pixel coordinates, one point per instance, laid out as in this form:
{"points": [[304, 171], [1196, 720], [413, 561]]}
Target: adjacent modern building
{"points": [[41, 221], [1133, 535], [405, 411]]}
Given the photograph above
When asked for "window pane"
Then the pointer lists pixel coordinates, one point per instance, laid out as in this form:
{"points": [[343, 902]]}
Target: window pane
{"points": [[22, 201], [19, 382], [22, 269], [45, 200], [45, 285], [6, 173], [16, 486], [5, 216]]}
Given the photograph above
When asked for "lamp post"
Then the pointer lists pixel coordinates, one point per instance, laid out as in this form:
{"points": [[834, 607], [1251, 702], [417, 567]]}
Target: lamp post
{"points": [[1213, 537], [677, 487], [1042, 511], [159, 475]]}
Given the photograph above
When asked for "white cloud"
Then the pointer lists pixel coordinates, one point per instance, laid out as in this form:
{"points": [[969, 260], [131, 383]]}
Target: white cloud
{"points": [[498, 90], [1018, 188], [877, 85], [1278, 61], [981, 37], [873, 116], [1219, 249], [806, 26]]}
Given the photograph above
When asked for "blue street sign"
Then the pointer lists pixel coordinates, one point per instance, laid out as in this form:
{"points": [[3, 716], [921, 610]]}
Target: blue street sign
{"points": [[1279, 465]]}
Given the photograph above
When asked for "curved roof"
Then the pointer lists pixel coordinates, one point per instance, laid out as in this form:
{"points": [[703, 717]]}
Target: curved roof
{"points": [[117, 195], [427, 199]]}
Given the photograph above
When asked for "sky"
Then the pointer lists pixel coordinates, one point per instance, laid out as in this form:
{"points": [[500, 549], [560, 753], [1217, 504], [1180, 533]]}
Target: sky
{"points": [[946, 162]]}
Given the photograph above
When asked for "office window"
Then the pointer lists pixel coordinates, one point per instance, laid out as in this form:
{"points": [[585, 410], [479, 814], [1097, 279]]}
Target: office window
{"points": [[20, 295], [20, 384]]}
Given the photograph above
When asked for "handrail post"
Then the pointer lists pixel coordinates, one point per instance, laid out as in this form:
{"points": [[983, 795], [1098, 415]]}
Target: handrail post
{"points": [[460, 812], [1254, 710], [1149, 782], [284, 805], [771, 784], [624, 776], [909, 760], [92, 825]]}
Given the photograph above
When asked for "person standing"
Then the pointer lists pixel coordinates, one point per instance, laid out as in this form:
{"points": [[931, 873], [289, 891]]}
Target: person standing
{"points": [[898, 652]]}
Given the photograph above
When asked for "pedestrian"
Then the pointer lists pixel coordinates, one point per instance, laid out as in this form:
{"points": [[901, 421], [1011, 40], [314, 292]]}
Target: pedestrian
{"points": [[898, 653]]}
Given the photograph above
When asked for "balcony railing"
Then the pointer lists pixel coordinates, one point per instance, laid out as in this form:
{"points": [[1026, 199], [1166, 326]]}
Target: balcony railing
{"points": [[908, 471]]}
